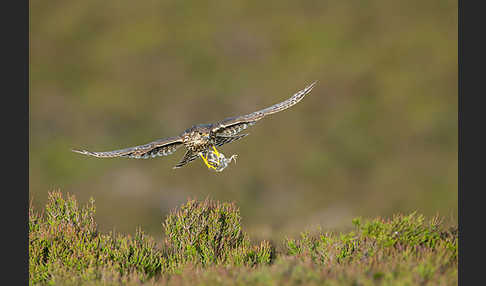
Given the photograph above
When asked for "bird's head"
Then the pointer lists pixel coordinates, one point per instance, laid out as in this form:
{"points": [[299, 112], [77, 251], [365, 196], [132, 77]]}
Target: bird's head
{"points": [[204, 134], [203, 130]]}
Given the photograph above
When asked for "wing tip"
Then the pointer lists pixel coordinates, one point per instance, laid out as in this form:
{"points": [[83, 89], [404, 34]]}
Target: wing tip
{"points": [[85, 152], [303, 92], [79, 151], [310, 86]]}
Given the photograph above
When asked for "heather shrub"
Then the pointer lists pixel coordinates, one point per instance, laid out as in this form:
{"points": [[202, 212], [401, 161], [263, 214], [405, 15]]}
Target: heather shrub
{"points": [[64, 243], [406, 247], [409, 230], [209, 232], [205, 244]]}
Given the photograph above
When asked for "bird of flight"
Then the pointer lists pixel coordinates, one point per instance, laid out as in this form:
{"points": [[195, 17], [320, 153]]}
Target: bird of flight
{"points": [[201, 140]]}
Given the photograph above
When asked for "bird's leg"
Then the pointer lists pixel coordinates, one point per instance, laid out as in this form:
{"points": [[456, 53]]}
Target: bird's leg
{"points": [[206, 162]]}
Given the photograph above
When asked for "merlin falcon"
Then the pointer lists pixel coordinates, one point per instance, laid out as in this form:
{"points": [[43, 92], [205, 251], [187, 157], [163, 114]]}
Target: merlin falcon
{"points": [[201, 140]]}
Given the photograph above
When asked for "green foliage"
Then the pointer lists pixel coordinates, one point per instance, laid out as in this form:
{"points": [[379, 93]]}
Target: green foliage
{"points": [[205, 244], [404, 230], [210, 232], [64, 244], [405, 248]]}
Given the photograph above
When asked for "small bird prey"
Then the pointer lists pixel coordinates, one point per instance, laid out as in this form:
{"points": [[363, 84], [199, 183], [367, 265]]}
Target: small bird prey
{"points": [[201, 140], [218, 161]]}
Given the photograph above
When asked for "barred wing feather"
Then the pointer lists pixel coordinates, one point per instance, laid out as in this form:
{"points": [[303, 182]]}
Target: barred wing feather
{"points": [[233, 125], [162, 147]]}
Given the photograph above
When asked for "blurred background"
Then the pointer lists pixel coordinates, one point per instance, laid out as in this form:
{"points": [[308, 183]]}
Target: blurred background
{"points": [[376, 136]]}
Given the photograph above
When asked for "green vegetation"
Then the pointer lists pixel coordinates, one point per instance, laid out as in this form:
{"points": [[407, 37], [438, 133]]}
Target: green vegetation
{"points": [[205, 245], [209, 233]]}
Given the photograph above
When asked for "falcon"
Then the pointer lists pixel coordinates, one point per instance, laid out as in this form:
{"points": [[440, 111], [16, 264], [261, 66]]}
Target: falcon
{"points": [[201, 140]]}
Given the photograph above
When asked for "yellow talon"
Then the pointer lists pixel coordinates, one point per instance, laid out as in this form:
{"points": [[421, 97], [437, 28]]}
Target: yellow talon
{"points": [[206, 162]]}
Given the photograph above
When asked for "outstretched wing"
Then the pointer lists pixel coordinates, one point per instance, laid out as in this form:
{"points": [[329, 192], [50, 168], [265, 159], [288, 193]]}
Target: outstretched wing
{"points": [[162, 147], [233, 125]]}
